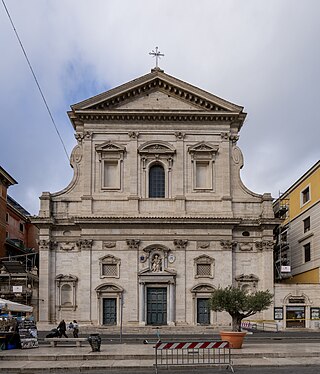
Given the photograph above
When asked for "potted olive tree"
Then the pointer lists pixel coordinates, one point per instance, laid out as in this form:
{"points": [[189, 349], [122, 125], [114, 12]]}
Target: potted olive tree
{"points": [[239, 304]]}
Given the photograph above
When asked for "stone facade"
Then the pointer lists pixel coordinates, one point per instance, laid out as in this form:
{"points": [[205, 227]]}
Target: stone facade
{"points": [[156, 215]]}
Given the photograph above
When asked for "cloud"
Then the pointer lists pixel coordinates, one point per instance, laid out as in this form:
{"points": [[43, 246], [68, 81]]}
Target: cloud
{"points": [[264, 56]]}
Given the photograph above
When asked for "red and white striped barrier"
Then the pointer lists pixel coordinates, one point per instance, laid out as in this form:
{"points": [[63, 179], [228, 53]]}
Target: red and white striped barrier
{"points": [[192, 345], [194, 353]]}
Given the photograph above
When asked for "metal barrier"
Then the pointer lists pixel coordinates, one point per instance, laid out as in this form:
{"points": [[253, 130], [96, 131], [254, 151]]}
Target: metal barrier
{"points": [[206, 353], [260, 325]]}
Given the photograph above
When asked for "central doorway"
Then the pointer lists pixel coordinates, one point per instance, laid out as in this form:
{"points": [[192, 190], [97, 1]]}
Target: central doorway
{"points": [[156, 306], [203, 311]]}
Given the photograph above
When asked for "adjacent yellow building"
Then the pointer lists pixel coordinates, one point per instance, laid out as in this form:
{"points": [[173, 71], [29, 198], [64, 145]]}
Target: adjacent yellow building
{"points": [[298, 239], [297, 252]]}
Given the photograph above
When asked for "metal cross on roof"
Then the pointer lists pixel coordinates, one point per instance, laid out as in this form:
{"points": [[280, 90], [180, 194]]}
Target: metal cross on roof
{"points": [[157, 55]]}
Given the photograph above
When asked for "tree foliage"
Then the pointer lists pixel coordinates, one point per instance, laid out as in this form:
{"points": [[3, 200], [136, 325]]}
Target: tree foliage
{"points": [[239, 303]]}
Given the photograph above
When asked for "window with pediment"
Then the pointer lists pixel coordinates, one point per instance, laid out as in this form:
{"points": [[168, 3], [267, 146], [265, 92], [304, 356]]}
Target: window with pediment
{"points": [[111, 168], [66, 287], [202, 158], [110, 267], [204, 267], [247, 282], [156, 159]]}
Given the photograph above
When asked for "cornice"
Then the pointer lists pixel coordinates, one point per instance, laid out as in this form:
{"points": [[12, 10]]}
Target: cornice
{"points": [[150, 220], [152, 115]]}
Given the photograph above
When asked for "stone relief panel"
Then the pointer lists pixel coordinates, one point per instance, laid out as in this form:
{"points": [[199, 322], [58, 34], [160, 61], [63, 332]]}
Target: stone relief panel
{"points": [[108, 244], [245, 247], [203, 245], [67, 246], [76, 155]]}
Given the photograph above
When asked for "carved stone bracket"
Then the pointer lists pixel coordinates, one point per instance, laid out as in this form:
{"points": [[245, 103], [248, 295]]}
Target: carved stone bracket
{"points": [[87, 135], [225, 136], [265, 245], [79, 136], [228, 244], [133, 134], [47, 244], [180, 135], [180, 243], [85, 244], [234, 138], [133, 243]]}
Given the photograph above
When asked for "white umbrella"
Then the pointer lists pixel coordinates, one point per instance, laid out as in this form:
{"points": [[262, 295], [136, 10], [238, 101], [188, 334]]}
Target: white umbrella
{"points": [[14, 307]]}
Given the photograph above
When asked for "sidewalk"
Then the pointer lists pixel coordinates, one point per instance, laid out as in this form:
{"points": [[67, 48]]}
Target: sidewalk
{"points": [[142, 356]]}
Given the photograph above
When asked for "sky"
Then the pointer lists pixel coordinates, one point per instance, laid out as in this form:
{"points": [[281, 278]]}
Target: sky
{"points": [[263, 55]]}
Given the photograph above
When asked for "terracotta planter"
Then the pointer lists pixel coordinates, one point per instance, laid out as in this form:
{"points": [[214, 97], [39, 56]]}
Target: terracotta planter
{"points": [[233, 337]]}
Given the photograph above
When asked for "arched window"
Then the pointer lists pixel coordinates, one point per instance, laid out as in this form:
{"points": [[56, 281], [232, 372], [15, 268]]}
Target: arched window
{"points": [[156, 181]]}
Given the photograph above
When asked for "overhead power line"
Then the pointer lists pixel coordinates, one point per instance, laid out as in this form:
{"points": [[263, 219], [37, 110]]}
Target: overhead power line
{"points": [[35, 79]]}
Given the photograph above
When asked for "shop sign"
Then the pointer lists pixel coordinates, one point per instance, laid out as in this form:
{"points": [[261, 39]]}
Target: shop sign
{"points": [[28, 334], [296, 300], [315, 313], [17, 289], [278, 313]]}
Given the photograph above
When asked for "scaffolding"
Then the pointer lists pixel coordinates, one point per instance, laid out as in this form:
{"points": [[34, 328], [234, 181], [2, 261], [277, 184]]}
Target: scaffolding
{"points": [[282, 253]]}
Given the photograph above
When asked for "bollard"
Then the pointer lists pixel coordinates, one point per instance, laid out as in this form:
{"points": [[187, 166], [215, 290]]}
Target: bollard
{"points": [[95, 342]]}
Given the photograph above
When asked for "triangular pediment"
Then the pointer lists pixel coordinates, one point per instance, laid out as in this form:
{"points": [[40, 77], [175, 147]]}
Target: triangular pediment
{"points": [[157, 91], [157, 100], [204, 147], [110, 147]]}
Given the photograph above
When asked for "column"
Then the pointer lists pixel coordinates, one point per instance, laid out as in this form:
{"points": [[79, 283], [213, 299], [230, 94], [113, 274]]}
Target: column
{"points": [[172, 304], [142, 318]]}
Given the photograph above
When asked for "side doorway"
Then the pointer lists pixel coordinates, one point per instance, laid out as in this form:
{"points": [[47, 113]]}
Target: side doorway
{"points": [[109, 311], [203, 311]]}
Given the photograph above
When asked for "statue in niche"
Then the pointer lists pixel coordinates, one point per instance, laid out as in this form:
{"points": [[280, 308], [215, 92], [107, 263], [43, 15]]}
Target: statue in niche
{"points": [[156, 263]]}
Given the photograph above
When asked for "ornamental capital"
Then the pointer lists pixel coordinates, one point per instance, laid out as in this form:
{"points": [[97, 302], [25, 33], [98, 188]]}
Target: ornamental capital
{"points": [[46, 244], [84, 244], [133, 134], [133, 243], [228, 244], [266, 245], [180, 243]]}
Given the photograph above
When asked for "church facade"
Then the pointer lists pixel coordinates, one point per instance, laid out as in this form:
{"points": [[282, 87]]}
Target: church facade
{"points": [[156, 216]]}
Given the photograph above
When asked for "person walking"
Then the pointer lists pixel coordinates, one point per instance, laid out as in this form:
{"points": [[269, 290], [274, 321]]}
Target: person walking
{"points": [[75, 329], [62, 328]]}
